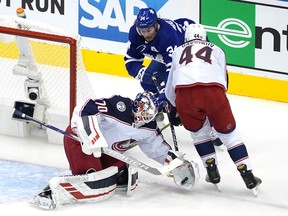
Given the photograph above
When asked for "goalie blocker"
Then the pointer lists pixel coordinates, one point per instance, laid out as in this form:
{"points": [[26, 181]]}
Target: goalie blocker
{"points": [[91, 187]]}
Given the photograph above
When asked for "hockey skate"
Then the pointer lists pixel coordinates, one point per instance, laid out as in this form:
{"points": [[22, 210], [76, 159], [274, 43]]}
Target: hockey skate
{"points": [[213, 175], [252, 182], [44, 200]]}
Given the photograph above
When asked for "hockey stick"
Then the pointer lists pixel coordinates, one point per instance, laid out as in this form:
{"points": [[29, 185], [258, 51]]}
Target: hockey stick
{"points": [[129, 160], [168, 114]]}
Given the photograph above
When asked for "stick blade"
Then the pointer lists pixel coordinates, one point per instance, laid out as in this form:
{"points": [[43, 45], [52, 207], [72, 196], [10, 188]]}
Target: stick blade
{"points": [[18, 115]]}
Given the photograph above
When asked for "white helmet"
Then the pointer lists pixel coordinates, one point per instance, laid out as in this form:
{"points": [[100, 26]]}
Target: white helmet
{"points": [[144, 108], [195, 31]]}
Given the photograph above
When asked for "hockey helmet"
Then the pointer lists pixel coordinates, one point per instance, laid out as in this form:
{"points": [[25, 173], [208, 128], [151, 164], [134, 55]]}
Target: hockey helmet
{"points": [[146, 18], [145, 108], [195, 31]]}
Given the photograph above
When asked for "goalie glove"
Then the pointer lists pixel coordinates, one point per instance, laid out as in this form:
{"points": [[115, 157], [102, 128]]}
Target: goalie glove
{"points": [[145, 75], [89, 132], [170, 157], [187, 174]]}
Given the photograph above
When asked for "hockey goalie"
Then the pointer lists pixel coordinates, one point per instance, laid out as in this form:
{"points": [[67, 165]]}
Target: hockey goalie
{"points": [[117, 123]]}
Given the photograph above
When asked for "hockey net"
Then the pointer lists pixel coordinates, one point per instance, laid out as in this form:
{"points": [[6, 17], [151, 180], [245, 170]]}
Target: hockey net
{"points": [[42, 65]]}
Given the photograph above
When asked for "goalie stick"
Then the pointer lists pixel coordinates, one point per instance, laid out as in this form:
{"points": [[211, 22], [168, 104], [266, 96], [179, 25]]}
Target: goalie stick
{"points": [[127, 159], [154, 79]]}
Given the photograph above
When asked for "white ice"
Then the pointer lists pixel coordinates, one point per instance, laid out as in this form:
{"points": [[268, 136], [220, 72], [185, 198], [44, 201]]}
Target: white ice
{"points": [[262, 123]]}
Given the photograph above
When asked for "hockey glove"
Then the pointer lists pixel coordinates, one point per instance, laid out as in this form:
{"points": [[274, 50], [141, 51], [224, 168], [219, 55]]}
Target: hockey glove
{"points": [[174, 116], [162, 101], [186, 175], [145, 76], [89, 132], [171, 155]]}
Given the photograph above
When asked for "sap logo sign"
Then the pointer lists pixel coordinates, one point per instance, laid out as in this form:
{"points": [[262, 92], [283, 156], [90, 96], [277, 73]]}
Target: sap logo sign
{"points": [[111, 19]]}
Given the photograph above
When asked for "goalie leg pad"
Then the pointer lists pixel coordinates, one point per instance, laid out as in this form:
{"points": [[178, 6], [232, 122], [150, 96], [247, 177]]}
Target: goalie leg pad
{"points": [[92, 187], [186, 175], [132, 180], [128, 180]]}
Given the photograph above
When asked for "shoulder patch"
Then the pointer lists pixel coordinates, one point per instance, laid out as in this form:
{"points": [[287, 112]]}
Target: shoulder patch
{"points": [[121, 106]]}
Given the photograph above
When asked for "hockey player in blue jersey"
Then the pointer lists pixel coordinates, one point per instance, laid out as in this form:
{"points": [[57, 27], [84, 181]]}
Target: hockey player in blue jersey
{"points": [[154, 38]]}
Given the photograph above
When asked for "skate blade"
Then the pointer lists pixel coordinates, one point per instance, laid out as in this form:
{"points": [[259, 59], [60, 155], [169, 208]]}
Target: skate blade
{"points": [[43, 203], [221, 148], [217, 187], [256, 191]]}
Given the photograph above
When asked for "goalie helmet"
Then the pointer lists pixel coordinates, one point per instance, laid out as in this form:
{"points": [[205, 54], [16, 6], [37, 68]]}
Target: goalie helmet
{"points": [[146, 18], [144, 108], [195, 31]]}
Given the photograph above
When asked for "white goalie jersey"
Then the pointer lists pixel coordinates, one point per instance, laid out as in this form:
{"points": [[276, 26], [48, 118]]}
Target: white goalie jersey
{"points": [[114, 123]]}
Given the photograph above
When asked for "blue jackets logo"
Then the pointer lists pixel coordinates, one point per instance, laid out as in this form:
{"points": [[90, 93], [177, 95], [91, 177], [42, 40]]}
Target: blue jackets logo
{"points": [[111, 19]]}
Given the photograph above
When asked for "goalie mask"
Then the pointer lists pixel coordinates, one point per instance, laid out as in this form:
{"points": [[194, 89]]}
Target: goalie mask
{"points": [[195, 31], [144, 108]]}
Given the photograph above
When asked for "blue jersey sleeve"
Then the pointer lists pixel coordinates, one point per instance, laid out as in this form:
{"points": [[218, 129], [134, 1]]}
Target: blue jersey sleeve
{"points": [[134, 57], [169, 36]]}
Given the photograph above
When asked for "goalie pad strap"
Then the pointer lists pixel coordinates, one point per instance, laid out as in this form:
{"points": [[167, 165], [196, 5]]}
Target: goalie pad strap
{"points": [[92, 187], [132, 180]]}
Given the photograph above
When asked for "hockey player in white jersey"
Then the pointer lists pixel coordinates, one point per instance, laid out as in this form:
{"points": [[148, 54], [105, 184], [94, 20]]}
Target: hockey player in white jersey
{"points": [[117, 122], [197, 86]]}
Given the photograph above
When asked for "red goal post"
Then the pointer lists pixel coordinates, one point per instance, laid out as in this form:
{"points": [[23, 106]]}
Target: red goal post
{"points": [[44, 36], [51, 52]]}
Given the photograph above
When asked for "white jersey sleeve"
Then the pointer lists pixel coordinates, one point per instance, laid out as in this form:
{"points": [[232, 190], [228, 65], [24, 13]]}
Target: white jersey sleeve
{"points": [[170, 88], [154, 147]]}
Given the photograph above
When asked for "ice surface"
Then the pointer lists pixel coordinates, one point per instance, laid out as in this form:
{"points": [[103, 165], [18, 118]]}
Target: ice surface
{"points": [[262, 123]]}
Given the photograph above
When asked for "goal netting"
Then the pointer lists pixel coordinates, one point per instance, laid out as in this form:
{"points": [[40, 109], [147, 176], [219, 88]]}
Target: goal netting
{"points": [[42, 65]]}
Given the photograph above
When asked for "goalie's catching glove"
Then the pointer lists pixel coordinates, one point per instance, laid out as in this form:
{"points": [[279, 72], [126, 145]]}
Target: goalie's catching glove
{"points": [[187, 174]]}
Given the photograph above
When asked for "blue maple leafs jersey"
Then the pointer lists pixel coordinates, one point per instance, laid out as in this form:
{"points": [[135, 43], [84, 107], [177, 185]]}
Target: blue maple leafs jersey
{"points": [[170, 35]]}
